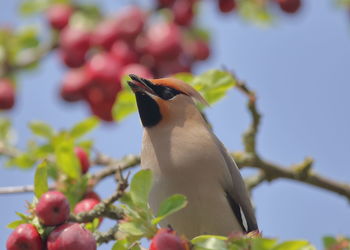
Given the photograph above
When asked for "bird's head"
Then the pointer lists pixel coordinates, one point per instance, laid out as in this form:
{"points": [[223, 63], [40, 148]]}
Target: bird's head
{"points": [[164, 100]]}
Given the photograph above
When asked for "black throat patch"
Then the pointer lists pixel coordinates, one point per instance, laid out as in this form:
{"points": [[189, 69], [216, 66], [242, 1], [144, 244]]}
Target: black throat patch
{"points": [[148, 110]]}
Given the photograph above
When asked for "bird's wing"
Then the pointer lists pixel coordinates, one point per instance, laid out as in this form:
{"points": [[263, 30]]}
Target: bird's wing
{"points": [[237, 193]]}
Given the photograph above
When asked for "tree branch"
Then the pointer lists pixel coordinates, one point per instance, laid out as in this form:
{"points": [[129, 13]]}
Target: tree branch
{"points": [[106, 208], [269, 171], [255, 180], [302, 172], [113, 166], [107, 236], [16, 189]]}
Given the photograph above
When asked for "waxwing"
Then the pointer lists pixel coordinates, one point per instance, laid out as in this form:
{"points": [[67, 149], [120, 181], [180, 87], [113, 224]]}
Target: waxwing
{"points": [[187, 158]]}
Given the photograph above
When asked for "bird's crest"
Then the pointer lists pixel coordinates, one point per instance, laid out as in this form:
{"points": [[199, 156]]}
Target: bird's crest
{"points": [[182, 87]]}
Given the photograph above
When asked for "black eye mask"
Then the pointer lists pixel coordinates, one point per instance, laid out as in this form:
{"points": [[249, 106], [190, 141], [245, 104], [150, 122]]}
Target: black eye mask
{"points": [[165, 92]]}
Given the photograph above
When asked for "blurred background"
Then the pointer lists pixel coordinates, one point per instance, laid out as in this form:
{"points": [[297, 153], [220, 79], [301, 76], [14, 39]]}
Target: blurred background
{"points": [[299, 68]]}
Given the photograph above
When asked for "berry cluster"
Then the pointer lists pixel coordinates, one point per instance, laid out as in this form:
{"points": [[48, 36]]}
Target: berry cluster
{"points": [[98, 57], [131, 41], [53, 210]]}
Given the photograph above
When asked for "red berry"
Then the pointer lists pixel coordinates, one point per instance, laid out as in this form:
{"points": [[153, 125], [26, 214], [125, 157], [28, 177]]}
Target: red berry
{"points": [[71, 236], [73, 59], [92, 195], [167, 239], [101, 99], [86, 205], [52, 208], [104, 69], [123, 53], [202, 50], [226, 6], [130, 22], [7, 94], [103, 109], [58, 15], [183, 12], [289, 6], [73, 84], [105, 34], [74, 44], [137, 69], [25, 236], [99, 93], [83, 159], [167, 68], [166, 3], [164, 40]]}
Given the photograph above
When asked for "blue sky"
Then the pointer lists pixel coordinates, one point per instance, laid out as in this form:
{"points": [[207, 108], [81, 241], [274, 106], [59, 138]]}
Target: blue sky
{"points": [[299, 69]]}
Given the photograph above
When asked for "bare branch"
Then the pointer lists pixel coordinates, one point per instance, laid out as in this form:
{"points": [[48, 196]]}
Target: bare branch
{"points": [[106, 207], [16, 189], [301, 172], [107, 236], [255, 180], [113, 166]]}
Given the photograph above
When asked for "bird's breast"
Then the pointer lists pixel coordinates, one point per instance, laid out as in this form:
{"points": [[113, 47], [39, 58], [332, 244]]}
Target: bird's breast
{"points": [[182, 152]]}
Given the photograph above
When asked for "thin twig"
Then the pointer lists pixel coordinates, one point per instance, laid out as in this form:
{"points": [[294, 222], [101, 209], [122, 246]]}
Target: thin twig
{"points": [[106, 207], [105, 237], [19, 189], [255, 180]]}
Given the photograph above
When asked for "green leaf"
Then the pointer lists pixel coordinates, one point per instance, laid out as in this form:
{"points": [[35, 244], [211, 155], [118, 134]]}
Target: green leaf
{"points": [[27, 37], [121, 245], [40, 180], [15, 224], [124, 244], [169, 206], [263, 243], [31, 7], [23, 160], [5, 126], [40, 227], [201, 33], [125, 104], [41, 129], [209, 242], [294, 245], [81, 20], [140, 187], [43, 150], [24, 217], [92, 226], [186, 77], [84, 127], [66, 159], [76, 190], [86, 144], [328, 241], [256, 13], [214, 84], [132, 228]]}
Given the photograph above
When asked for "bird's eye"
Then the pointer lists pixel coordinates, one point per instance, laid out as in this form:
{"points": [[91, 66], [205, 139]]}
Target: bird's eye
{"points": [[165, 92]]}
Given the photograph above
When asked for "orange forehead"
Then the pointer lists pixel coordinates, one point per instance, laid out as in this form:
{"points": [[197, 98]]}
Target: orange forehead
{"points": [[180, 86]]}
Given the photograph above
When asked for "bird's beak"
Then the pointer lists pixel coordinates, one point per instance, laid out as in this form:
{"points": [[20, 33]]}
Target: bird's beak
{"points": [[139, 84]]}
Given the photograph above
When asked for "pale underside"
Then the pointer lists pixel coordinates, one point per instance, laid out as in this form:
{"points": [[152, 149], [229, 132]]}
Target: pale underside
{"points": [[195, 168]]}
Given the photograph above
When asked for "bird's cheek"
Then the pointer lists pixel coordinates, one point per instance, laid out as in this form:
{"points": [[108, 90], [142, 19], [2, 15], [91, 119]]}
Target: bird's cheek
{"points": [[163, 107]]}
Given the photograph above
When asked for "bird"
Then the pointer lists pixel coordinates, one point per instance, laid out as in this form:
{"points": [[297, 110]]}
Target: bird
{"points": [[186, 158]]}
